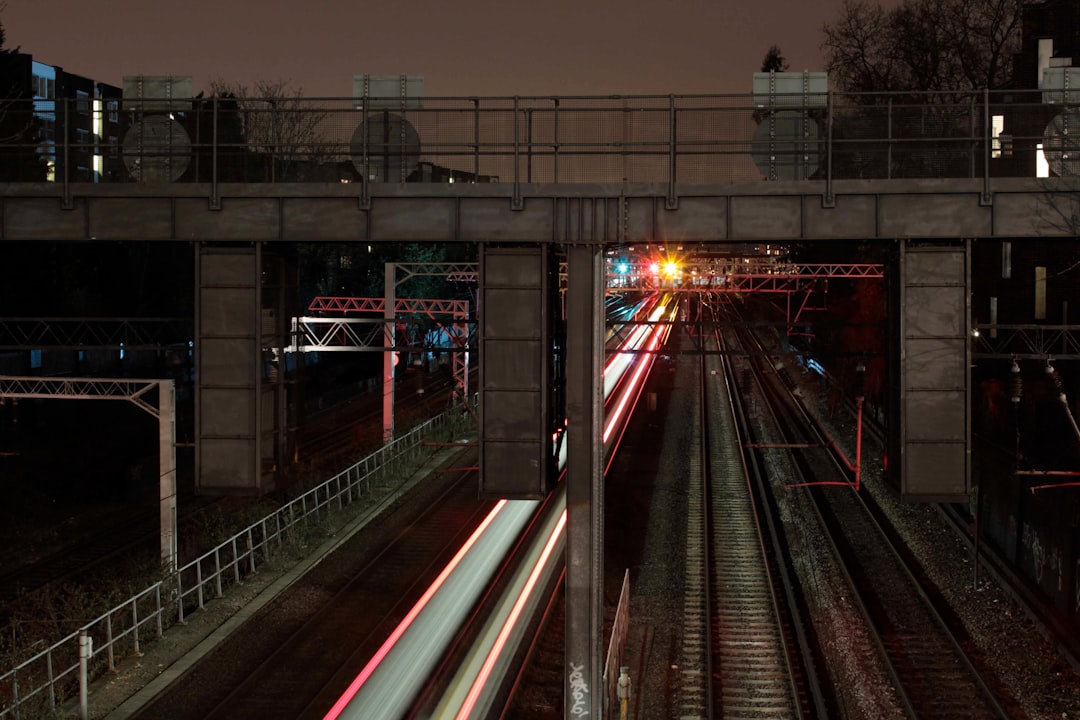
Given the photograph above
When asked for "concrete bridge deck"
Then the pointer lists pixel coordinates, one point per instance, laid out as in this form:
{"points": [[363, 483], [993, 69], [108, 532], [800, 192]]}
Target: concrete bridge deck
{"points": [[540, 212]]}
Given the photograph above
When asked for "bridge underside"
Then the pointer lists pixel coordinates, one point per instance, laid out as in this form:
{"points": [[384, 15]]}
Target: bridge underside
{"points": [[931, 220]]}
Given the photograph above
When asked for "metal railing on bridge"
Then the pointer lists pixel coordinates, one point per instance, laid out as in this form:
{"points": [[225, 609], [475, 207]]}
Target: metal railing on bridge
{"points": [[672, 139]]}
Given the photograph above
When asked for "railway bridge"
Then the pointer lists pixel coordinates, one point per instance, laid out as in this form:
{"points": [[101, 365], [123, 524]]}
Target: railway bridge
{"points": [[523, 176], [236, 229]]}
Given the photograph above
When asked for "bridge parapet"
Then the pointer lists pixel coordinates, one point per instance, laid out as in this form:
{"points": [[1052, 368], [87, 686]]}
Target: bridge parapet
{"points": [[672, 139]]}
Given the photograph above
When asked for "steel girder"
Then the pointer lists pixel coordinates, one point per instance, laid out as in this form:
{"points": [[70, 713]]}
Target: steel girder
{"points": [[1030, 342], [19, 333], [134, 391]]}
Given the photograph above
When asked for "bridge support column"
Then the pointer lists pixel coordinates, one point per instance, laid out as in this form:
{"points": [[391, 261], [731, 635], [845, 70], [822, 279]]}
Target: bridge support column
{"points": [[243, 294], [584, 482], [934, 408]]}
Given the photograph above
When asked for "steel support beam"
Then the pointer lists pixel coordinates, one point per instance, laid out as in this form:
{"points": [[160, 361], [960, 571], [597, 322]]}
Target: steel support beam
{"points": [[17, 333], [167, 473], [389, 303], [584, 482], [1027, 342]]}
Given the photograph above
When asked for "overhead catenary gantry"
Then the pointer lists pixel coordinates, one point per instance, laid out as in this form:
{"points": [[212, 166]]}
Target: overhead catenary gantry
{"points": [[337, 334], [319, 333], [139, 393], [129, 333], [1026, 342]]}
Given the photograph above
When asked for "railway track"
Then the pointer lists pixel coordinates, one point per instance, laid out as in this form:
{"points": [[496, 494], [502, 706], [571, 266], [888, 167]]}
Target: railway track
{"points": [[75, 559], [326, 627], [926, 664], [905, 655], [756, 665], [341, 428], [934, 675]]}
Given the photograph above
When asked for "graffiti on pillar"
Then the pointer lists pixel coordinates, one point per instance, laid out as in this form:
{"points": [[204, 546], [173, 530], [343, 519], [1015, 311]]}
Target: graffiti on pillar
{"points": [[579, 691], [1034, 546]]}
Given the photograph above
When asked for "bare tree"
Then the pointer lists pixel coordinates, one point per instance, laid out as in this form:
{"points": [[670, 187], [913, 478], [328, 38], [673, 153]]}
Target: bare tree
{"points": [[1059, 212], [938, 52], [940, 45], [280, 126], [3, 6]]}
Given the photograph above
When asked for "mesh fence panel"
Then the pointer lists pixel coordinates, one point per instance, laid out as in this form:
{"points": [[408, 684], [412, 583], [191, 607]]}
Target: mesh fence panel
{"points": [[685, 139]]}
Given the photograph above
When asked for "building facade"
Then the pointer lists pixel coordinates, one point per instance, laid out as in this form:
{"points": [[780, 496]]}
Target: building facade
{"points": [[43, 105]]}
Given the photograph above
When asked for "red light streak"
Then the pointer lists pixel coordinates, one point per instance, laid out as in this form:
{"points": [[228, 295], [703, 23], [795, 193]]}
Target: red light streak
{"points": [[632, 342], [642, 366], [360, 679], [511, 620], [655, 335]]}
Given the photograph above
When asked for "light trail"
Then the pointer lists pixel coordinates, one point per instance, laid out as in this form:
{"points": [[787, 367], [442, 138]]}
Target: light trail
{"points": [[511, 621], [483, 675], [618, 364], [656, 338], [360, 679], [649, 335]]}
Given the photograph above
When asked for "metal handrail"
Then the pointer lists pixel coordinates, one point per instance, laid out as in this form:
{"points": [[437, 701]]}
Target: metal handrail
{"points": [[670, 139], [52, 675]]}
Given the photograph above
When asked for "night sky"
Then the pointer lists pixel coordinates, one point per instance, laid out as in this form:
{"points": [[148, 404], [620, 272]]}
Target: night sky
{"points": [[462, 47]]}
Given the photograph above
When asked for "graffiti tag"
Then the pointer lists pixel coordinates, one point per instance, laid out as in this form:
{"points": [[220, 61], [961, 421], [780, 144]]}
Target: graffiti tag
{"points": [[579, 691]]}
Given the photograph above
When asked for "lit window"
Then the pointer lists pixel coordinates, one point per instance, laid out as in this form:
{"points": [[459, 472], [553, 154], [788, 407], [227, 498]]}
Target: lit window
{"points": [[1042, 167], [97, 120], [997, 126]]}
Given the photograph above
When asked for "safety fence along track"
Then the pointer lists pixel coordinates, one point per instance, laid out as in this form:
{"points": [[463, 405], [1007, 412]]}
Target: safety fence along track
{"points": [[318, 635], [52, 676]]}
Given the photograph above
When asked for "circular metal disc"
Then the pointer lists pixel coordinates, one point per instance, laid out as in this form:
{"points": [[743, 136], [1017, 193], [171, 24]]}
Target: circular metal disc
{"points": [[156, 149], [393, 147], [1061, 143]]}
